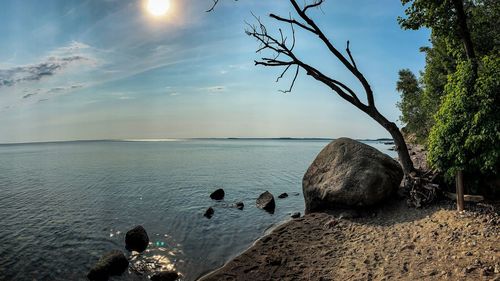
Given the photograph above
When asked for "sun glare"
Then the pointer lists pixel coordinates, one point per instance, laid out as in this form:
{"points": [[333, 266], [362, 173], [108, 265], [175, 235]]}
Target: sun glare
{"points": [[158, 7]]}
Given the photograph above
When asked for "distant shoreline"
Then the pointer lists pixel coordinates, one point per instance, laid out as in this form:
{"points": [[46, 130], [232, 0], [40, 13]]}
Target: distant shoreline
{"points": [[184, 139]]}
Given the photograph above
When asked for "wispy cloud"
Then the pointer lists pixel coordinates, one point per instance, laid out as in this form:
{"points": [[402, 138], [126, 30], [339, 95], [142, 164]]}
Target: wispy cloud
{"points": [[61, 71], [35, 72], [214, 89], [72, 54], [29, 95]]}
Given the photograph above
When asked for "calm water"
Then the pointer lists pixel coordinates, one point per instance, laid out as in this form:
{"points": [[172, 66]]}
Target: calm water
{"points": [[64, 204]]}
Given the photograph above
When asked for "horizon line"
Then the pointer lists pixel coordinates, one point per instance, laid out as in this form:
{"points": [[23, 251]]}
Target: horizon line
{"points": [[181, 139]]}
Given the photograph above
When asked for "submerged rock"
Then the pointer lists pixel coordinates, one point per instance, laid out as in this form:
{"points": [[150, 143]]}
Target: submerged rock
{"points": [[239, 205], [136, 239], [165, 276], [349, 173], [111, 263], [209, 212], [266, 202], [218, 194], [283, 195]]}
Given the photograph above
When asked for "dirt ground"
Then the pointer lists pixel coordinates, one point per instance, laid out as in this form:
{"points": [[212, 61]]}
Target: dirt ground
{"points": [[393, 242]]}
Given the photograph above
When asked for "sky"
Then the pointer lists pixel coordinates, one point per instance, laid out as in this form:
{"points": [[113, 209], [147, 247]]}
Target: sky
{"points": [[109, 69]]}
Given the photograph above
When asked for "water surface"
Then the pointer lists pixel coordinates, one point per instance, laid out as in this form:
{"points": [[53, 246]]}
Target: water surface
{"points": [[62, 205]]}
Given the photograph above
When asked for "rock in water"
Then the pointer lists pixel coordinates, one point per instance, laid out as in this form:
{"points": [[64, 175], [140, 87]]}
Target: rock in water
{"points": [[349, 173], [295, 215], [165, 276], [240, 205], [266, 202], [111, 263], [136, 239], [218, 194], [209, 212], [283, 195]]}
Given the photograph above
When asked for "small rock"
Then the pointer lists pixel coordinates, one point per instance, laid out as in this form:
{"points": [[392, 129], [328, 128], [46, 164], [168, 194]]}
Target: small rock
{"points": [[111, 263], [165, 276], [331, 223], [239, 205], [488, 271], [218, 194], [469, 269], [405, 267], [468, 254], [283, 195], [295, 215], [274, 261], [209, 212], [266, 202], [408, 247], [136, 239]]}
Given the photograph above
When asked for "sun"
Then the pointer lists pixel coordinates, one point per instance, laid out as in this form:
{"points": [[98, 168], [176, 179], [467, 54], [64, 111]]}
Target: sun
{"points": [[158, 7]]}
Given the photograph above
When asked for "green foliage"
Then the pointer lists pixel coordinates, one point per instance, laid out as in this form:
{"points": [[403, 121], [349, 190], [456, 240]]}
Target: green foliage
{"points": [[485, 27], [437, 15], [446, 50], [413, 114], [466, 134]]}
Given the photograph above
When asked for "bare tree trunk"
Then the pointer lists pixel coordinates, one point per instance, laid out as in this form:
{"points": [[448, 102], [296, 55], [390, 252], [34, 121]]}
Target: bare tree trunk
{"points": [[471, 56], [464, 29], [460, 190], [399, 141]]}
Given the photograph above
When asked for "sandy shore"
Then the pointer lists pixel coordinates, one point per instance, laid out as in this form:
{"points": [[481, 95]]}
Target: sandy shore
{"points": [[390, 243]]}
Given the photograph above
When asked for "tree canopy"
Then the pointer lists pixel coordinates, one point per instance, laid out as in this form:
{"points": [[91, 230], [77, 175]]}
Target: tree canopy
{"points": [[453, 106]]}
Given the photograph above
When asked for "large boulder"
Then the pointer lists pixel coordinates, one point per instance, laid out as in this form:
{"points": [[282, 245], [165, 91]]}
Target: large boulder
{"points": [[349, 173], [137, 239], [111, 263], [266, 202], [218, 194]]}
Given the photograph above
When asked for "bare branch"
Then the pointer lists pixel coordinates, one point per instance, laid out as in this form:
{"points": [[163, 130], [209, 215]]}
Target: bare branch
{"points": [[292, 21], [213, 6], [284, 56], [215, 2], [293, 81], [350, 55], [336, 53], [283, 73], [315, 4]]}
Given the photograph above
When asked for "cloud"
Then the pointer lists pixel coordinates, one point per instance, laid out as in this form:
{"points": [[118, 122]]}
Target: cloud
{"points": [[65, 88], [29, 95], [175, 94], [35, 72], [214, 89], [54, 90]]}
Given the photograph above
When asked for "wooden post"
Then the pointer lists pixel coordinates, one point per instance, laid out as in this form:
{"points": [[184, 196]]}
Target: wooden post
{"points": [[460, 190]]}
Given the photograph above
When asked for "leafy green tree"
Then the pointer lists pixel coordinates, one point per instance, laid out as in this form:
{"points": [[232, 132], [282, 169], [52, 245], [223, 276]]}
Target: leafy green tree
{"points": [[466, 135], [413, 115], [448, 47]]}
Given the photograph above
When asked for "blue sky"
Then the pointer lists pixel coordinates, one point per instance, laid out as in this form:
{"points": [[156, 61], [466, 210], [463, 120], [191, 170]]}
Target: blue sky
{"points": [[107, 69]]}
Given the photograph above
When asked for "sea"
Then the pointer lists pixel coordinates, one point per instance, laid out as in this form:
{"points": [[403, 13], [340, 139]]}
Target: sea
{"points": [[64, 204]]}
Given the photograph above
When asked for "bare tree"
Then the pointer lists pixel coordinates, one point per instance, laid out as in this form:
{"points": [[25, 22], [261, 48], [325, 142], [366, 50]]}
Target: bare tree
{"points": [[283, 55]]}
